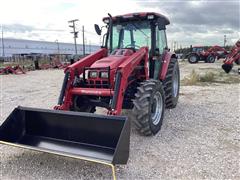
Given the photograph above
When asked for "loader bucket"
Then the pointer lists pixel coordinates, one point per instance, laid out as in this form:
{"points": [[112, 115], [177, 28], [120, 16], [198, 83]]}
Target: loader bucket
{"points": [[227, 67], [97, 138]]}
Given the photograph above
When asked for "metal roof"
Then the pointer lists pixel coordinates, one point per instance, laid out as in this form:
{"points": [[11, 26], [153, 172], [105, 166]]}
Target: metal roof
{"points": [[20, 46]]}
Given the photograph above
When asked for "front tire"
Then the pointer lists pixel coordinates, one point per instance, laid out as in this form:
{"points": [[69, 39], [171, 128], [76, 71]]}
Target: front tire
{"points": [[149, 105], [80, 104]]}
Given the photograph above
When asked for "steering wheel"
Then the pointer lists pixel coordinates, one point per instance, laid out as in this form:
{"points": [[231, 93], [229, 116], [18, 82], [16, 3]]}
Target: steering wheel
{"points": [[131, 46]]}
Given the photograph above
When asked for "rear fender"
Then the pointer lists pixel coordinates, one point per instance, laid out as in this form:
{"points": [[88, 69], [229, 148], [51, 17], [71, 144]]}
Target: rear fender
{"points": [[166, 60]]}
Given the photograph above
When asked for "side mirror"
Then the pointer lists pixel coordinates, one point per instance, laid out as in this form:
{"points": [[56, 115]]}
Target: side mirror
{"points": [[97, 29]]}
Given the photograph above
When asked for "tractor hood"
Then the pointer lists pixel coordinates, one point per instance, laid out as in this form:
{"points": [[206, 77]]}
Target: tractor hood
{"points": [[114, 60], [111, 61]]}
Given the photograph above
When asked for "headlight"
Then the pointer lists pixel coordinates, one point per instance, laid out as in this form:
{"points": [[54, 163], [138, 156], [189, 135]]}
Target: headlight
{"points": [[104, 74], [93, 74]]}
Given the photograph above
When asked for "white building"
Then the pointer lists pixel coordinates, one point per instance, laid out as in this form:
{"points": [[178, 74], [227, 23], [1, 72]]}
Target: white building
{"points": [[19, 46]]}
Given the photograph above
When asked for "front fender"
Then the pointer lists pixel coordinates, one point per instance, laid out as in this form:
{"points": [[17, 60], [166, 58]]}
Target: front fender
{"points": [[166, 60]]}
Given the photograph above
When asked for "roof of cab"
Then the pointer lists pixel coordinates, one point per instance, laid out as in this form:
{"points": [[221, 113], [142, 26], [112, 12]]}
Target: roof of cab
{"points": [[138, 15]]}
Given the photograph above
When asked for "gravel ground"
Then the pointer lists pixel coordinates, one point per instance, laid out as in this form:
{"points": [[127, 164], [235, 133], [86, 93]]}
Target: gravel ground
{"points": [[199, 138]]}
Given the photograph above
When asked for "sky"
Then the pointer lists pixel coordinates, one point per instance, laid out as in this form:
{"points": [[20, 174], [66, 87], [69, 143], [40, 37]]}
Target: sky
{"points": [[198, 22]]}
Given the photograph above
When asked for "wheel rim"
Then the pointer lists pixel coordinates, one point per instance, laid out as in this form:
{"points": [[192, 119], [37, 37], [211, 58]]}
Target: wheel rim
{"points": [[175, 84], [211, 59], [156, 109], [193, 58]]}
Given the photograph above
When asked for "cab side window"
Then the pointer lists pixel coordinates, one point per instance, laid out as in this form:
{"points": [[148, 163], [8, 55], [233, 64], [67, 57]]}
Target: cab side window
{"points": [[161, 42]]}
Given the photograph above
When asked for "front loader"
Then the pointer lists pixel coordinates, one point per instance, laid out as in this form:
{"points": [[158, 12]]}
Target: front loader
{"points": [[233, 56], [134, 69]]}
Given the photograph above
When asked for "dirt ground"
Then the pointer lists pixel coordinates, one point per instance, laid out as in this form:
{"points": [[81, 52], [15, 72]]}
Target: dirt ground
{"points": [[199, 139]]}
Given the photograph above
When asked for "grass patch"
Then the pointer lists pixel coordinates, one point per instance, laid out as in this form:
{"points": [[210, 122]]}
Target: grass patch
{"points": [[210, 77], [192, 79]]}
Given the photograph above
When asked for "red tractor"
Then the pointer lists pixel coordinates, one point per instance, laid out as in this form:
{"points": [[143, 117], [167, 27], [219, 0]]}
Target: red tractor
{"points": [[133, 70], [199, 54], [233, 56]]}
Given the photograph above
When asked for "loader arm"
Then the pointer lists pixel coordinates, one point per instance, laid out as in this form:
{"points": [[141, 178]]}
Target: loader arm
{"points": [[233, 56], [65, 98], [123, 72], [214, 49], [86, 62]]}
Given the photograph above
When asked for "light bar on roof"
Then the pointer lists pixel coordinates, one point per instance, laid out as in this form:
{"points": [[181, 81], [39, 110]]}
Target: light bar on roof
{"points": [[150, 16]]}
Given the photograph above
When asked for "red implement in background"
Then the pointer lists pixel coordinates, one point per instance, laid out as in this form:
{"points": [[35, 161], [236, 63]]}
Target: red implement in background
{"points": [[12, 70]]}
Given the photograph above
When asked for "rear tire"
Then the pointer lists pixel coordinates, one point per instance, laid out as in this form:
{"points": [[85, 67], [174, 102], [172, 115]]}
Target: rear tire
{"points": [[80, 104], [149, 105], [172, 84], [193, 58], [210, 59]]}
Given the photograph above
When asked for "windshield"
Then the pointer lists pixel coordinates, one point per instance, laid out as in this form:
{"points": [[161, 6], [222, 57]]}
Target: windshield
{"points": [[131, 35], [197, 49]]}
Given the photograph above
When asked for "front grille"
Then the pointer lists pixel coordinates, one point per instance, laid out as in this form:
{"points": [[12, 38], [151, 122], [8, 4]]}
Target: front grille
{"points": [[97, 84]]}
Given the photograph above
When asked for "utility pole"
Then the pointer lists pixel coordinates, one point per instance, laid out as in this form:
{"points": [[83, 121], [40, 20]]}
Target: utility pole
{"points": [[224, 41], [174, 46], [3, 51], [83, 41], [58, 47], [75, 33], [90, 47]]}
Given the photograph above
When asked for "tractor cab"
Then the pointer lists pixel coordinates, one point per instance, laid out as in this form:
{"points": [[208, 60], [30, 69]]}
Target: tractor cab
{"points": [[197, 49], [133, 31]]}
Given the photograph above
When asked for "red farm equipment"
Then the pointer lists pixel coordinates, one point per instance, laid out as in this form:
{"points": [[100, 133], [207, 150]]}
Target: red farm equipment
{"points": [[12, 70], [133, 70], [233, 56], [209, 56]]}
